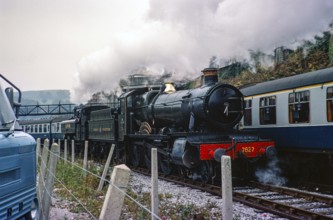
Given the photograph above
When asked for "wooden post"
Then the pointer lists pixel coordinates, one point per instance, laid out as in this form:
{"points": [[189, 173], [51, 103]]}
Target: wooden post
{"points": [[46, 202], [85, 158], [59, 144], [65, 150], [154, 184], [106, 167], [114, 198], [37, 150], [227, 209], [73, 151]]}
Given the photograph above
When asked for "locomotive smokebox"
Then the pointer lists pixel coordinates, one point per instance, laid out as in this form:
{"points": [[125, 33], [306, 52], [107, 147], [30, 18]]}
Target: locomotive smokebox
{"points": [[210, 75]]}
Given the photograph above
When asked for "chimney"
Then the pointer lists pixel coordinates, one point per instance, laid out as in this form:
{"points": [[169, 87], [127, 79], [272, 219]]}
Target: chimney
{"points": [[210, 75]]}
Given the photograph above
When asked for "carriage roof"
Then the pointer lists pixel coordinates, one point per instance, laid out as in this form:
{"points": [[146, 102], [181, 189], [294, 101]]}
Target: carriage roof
{"points": [[291, 82]]}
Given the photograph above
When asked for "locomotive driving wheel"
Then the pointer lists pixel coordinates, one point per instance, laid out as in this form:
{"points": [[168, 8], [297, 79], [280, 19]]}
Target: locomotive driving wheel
{"points": [[147, 156], [146, 129], [165, 164], [184, 172], [136, 157], [205, 171]]}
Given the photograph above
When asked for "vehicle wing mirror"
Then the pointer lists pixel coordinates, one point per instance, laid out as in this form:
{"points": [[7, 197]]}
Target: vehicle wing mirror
{"points": [[10, 95]]}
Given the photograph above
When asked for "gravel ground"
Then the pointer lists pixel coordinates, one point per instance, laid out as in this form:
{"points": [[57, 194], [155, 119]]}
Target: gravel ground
{"points": [[187, 196], [173, 196]]}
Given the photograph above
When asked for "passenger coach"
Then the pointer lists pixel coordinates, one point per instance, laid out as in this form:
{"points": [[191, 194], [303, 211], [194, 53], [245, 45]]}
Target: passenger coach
{"points": [[45, 128], [295, 111]]}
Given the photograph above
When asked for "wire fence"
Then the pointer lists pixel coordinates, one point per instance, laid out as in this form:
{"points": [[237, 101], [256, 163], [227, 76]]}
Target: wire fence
{"points": [[79, 185]]}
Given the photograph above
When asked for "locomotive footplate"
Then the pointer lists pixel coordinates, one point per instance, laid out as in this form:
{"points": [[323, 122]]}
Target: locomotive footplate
{"points": [[207, 146]]}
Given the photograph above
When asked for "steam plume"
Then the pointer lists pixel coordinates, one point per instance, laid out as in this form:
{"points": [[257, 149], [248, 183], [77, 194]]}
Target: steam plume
{"points": [[271, 174], [182, 35]]}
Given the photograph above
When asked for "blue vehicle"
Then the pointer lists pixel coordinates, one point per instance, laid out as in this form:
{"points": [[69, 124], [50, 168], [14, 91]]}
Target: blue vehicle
{"points": [[18, 198]]}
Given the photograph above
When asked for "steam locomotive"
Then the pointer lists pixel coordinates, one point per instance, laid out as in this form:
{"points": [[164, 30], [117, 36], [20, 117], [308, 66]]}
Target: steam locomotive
{"points": [[191, 129]]}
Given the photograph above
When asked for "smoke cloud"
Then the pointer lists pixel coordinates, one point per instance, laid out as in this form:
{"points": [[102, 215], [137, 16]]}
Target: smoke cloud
{"points": [[182, 35]]}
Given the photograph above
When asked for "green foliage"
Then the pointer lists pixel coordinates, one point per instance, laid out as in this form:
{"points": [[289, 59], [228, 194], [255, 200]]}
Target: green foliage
{"points": [[81, 186], [310, 56]]}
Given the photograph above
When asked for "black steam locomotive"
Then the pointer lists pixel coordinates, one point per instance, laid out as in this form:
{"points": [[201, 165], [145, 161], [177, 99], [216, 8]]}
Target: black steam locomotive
{"points": [[191, 129]]}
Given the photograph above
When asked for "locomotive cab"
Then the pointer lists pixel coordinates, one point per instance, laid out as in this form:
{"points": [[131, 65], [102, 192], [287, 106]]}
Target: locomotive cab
{"points": [[134, 106]]}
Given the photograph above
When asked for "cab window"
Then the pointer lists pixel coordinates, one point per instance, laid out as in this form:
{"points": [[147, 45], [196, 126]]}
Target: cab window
{"points": [[329, 104], [267, 110], [248, 113], [299, 107]]}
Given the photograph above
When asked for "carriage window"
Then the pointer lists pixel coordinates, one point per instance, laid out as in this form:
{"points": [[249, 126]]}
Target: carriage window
{"points": [[329, 104], [267, 110], [45, 128], [248, 113], [299, 107]]}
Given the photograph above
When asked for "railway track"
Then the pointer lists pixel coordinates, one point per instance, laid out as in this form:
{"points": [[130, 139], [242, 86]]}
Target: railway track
{"points": [[284, 202]]}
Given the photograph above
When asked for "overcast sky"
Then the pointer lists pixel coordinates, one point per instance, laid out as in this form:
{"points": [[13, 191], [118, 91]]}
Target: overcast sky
{"points": [[88, 45]]}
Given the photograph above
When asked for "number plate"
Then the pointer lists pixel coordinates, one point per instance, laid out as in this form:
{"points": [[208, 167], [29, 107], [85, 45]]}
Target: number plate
{"points": [[247, 149]]}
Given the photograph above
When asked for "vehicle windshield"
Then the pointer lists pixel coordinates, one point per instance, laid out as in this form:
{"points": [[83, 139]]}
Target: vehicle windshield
{"points": [[7, 116]]}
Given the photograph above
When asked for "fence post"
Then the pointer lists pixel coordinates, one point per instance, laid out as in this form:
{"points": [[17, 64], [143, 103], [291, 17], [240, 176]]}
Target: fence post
{"points": [[114, 198], [154, 184], [65, 150], [37, 150], [46, 202], [85, 158], [227, 210], [73, 151], [43, 165], [106, 167]]}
